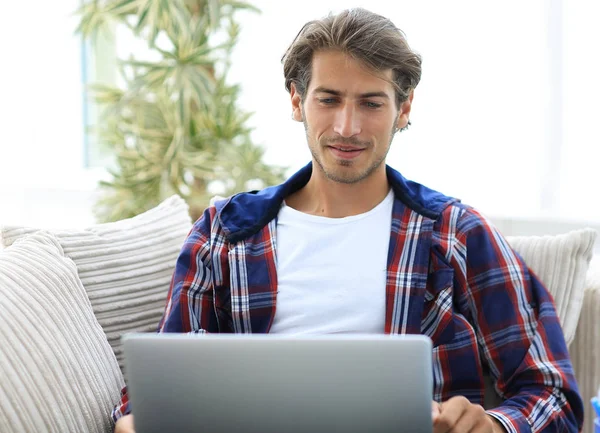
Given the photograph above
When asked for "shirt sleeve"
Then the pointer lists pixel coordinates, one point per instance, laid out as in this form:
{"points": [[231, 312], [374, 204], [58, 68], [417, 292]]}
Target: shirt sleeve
{"points": [[190, 303], [518, 331], [122, 408]]}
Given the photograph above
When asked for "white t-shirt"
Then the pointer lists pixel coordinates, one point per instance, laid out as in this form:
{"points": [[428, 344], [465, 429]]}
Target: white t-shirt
{"points": [[332, 271]]}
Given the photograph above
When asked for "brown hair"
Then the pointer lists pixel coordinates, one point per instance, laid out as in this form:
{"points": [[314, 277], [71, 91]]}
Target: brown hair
{"points": [[367, 37]]}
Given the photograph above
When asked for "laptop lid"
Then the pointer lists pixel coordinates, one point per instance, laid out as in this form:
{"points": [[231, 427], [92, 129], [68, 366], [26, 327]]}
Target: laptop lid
{"points": [[274, 383]]}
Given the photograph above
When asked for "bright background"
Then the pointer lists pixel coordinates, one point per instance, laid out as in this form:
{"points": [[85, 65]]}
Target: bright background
{"points": [[505, 117]]}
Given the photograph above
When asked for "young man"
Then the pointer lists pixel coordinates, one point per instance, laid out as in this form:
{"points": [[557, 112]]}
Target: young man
{"points": [[347, 245]]}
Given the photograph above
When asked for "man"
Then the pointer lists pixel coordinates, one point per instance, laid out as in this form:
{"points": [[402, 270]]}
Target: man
{"points": [[347, 245]]}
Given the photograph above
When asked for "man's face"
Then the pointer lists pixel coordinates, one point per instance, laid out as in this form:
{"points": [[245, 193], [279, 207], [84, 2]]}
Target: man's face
{"points": [[350, 116]]}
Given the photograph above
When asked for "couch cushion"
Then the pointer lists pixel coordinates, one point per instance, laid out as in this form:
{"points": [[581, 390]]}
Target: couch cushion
{"points": [[561, 262], [585, 350], [125, 266], [58, 372]]}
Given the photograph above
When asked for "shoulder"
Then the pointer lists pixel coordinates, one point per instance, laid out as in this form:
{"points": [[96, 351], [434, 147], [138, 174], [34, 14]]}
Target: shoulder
{"points": [[462, 219], [206, 231], [461, 228], [202, 227]]}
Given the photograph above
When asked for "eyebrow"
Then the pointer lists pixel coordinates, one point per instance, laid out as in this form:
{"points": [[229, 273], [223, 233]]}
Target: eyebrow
{"points": [[322, 89]]}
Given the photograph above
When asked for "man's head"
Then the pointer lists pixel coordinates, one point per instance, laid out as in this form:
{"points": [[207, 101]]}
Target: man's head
{"points": [[351, 78], [366, 37]]}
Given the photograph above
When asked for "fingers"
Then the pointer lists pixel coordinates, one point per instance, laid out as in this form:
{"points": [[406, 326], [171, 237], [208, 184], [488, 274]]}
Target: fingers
{"points": [[125, 424], [474, 420], [435, 410], [458, 415], [450, 412]]}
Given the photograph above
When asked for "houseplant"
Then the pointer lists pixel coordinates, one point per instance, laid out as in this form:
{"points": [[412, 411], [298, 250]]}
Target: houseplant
{"points": [[174, 125]]}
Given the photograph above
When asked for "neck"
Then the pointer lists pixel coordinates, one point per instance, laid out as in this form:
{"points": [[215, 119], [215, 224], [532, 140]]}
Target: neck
{"points": [[323, 197]]}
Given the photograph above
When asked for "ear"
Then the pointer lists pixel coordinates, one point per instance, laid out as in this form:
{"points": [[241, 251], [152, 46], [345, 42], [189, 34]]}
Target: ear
{"points": [[404, 112], [296, 103]]}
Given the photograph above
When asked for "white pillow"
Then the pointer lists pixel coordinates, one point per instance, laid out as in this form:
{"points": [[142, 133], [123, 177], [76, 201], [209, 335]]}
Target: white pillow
{"points": [[125, 266], [58, 372], [585, 350], [561, 262]]}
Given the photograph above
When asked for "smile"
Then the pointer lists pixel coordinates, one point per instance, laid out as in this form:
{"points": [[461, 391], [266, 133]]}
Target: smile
{"points": [[346, 152]]}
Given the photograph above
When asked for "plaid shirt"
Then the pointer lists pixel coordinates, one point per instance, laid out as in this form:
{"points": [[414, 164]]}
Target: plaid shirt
{"points": [[450, 275]]}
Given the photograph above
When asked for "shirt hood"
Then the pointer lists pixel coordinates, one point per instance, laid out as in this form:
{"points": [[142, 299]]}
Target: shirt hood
{"points": [[244, 214]]}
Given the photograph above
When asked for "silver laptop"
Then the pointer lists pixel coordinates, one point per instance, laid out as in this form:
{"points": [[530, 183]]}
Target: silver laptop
{"points": [[231, 383]]}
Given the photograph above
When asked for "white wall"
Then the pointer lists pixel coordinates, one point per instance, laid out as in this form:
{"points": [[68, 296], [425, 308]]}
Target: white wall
{"points": [[484, 117], [580, 158]]}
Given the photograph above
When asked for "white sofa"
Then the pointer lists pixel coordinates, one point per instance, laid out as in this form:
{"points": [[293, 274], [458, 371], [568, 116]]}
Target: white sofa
{"points": [[67, 296]]}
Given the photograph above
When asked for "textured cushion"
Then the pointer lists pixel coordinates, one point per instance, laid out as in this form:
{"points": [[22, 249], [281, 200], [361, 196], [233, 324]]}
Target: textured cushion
{"points": [[585, 350], [125, 266], [58, 372], [561, 262]]}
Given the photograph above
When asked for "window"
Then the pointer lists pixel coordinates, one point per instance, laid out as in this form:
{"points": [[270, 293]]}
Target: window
{"points": [[99, 66], [41, 175]]}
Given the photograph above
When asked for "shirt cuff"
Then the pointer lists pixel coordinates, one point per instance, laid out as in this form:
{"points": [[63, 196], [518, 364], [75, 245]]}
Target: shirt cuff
{"points": [[511, 419]]}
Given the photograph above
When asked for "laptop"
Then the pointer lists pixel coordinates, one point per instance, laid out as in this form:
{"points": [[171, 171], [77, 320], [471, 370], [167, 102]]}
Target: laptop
{"points": [[228, 383]]}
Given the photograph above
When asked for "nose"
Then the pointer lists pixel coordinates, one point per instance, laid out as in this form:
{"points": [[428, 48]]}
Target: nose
{"points": [[347, 121]]}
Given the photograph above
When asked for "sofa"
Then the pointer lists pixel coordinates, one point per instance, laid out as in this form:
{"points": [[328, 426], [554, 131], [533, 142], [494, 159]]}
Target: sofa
{"points": [[67, 296]]}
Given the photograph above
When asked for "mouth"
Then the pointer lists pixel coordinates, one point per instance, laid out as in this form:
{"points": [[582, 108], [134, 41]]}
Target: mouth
{"points": [[346, 152]]}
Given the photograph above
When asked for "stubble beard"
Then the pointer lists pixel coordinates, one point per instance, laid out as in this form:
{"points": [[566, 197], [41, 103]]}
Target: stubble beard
{"points": [[348, 178]]}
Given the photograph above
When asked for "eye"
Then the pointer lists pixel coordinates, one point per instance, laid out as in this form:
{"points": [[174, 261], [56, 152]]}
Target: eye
{"points": [[327, 101], [372, 105]]}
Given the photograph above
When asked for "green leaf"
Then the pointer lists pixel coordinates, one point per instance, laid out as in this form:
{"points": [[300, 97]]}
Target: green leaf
{"points": [[123, 8], [240, 5], [175, 125]]}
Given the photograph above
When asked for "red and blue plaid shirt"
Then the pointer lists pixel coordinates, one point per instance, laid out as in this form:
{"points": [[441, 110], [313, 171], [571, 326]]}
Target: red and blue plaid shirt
{"points": [[450, 275]]}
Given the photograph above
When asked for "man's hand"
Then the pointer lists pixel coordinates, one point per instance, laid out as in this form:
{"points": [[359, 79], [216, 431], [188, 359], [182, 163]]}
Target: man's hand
{"points": [[458, 415], [125, 424]]}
